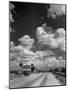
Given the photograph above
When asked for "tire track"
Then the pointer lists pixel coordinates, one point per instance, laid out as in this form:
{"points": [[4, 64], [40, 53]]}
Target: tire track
{"points": [[44, 80], [25, 81]]}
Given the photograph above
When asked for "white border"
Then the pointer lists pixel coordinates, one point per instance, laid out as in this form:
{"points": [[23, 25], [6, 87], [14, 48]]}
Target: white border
{"points": [[4, 43]]}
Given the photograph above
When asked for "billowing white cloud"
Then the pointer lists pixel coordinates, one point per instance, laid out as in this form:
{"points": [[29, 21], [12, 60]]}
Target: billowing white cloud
{"points": [[53, 40], [26, 55], [26, 41], [51, 61], [41, 59], [43, 54], [20, 52], [56, 10]]}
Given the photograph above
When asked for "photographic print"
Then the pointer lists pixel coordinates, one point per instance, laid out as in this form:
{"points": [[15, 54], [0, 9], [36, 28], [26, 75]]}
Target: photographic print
{"points": [[37, 44]]}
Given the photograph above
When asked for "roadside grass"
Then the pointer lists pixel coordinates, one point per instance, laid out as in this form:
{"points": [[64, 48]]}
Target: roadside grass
{"points": [[61, 77]]}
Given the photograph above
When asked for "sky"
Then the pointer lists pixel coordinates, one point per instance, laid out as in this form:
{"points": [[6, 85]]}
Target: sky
{"points": [[38, 32], [28, 16]]}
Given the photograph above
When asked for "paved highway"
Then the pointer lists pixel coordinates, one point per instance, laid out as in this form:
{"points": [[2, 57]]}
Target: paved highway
{"points": [[36, 79]]}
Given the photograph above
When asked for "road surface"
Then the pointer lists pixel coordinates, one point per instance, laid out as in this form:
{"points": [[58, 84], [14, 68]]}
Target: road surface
{"points": [[34, 80]]}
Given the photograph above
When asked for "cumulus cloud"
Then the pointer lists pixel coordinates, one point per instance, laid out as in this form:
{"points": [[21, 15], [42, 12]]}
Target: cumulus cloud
{"points": [[26, 41], [43, 54], [51, 61], [45, 58], [26, 55], [56, 10], [53, 40], [41, 59], [22, 51]]}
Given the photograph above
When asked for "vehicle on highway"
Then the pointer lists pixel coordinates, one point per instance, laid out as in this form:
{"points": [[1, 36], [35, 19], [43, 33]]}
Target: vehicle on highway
{"points": [[26, 70], [23, 70]]}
